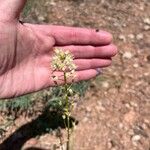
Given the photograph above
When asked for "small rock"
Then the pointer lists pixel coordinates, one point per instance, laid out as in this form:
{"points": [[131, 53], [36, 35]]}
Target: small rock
{"points": [[122, 37], [105, 84], [109, 144], [146, 74], [88, 109], [139, 130], [100, 107], [85, 119], [130, 117], [136, 138], [141, 8], [146, 121], [53, 3], [144, 126], [41, 18], [127, 55], [135, 65], [116, 24], [108, 125], [113, 132], [147, 21], [127, 105], [133, 104], [146, 27], [139, 36], [121, 125], [124, 25], [131, 132], [131, 36]]}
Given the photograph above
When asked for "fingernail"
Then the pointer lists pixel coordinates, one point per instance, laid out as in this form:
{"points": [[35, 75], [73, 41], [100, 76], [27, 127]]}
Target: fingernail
{"points": [[99, 71], [106, 37]]}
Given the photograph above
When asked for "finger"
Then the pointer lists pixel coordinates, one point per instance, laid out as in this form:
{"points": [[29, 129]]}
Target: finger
{"points": [[92, 51], [80, 76], [85, 64], [11, 8], [76, 36], [86, 75]]}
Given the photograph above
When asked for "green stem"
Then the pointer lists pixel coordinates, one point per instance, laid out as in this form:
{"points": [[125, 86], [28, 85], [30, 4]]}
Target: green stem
{"points": [[68, 112], [68, 138]]}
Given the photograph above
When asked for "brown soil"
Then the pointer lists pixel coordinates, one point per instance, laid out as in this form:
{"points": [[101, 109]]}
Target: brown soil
{"points": [[115, 113]]}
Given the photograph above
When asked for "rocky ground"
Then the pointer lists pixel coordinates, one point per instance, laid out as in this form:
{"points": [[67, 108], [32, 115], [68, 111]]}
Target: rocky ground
{"points": [[115, 113]]}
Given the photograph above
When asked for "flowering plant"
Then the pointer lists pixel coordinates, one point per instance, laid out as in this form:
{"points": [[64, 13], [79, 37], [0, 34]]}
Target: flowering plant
{"points": [[62, 61]]}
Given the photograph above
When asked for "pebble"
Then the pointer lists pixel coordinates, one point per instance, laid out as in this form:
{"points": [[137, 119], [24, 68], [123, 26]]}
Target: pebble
{"points": [[133, 104], [139, 36], [147, 21], [130, 117], [131, 132], [88, 109], [109, 144], [144, 126], [135, 65], [146, 121], [136, 138], [127, 105], [131, 36], [41, 18], [100, 107], [139, 130], [124, 25], [116, 24], [141, 8], [146, 27], [127, 55], [85, 119], [122, 37], [52, 3], [121, 125], [105, 84]]}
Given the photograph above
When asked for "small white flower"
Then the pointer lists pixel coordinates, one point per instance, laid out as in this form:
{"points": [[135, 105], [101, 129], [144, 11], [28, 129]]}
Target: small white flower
{"points": [[63, 61], [71, 91]]}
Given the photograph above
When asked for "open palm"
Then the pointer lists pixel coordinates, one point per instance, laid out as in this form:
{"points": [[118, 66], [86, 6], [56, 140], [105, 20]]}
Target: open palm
{"points": [[26, 51]]}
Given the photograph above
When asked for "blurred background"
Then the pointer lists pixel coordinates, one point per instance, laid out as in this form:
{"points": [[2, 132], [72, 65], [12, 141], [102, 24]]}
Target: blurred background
{"points": [[113, 111]]}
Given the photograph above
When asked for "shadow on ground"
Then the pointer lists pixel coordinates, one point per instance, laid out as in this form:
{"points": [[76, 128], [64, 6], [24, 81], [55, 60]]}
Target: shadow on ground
{"points": [[46, 122]]}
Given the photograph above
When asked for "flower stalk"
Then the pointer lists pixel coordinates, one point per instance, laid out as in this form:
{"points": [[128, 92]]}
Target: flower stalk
{"points": [[63, 62]]}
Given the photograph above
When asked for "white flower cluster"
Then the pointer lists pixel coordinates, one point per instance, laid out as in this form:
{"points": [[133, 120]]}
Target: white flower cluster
{"points": [[63, 61]]}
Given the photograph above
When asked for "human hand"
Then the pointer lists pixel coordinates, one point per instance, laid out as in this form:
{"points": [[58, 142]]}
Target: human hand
{"points": [[26, 51]]}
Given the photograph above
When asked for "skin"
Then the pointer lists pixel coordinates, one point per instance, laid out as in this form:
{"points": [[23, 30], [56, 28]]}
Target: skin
{"points": [[26, 51]]}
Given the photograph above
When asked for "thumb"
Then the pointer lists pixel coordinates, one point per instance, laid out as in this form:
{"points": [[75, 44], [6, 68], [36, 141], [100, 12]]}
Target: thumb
{"points": [[11, 9]]}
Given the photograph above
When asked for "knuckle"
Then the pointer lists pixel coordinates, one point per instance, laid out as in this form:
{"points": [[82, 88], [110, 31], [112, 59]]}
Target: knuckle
{"points": [[92, 51], [73, 35]]}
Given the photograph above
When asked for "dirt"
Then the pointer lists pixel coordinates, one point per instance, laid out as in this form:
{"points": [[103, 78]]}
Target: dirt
{"points": [[115, 113]]}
